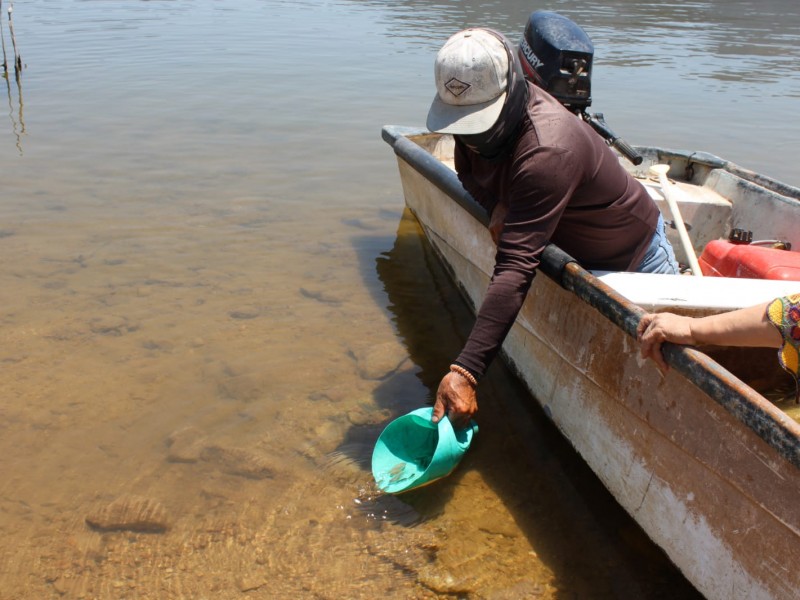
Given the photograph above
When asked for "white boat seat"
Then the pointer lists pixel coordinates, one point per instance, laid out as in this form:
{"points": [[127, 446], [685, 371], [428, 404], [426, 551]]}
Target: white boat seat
{"points": [[688, 294]]}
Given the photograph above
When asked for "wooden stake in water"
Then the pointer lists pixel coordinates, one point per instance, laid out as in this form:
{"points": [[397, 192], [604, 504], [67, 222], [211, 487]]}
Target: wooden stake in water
{"points": [[3, 39], [17, 57]]}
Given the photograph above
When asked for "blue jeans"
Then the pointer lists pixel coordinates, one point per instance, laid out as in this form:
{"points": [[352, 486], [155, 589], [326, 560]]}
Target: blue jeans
{"points": [[659, 257]]}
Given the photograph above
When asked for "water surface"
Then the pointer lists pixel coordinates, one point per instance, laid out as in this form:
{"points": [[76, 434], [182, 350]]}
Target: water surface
{"points": [[212, 300]]}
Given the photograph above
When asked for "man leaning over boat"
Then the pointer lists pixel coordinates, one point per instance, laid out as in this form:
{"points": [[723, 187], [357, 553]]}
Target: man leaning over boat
{"points": [[543, 175]]}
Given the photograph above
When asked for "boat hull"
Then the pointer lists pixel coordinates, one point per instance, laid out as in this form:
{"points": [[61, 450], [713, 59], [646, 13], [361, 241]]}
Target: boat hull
{"points": [[711, 475]]}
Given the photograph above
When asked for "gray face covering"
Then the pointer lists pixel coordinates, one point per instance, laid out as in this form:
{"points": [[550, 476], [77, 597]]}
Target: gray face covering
{"points": [[498, 141]]}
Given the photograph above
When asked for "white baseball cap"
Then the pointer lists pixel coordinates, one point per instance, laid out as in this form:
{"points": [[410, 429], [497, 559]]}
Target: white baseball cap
{"points": [[471, 72]]}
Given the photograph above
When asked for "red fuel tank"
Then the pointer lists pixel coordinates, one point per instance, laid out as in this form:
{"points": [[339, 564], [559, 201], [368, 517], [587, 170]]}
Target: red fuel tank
{"points": [[721, 258]]}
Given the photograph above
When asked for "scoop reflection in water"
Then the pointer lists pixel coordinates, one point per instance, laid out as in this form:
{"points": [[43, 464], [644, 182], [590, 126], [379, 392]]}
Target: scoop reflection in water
{"points": [[413, 451]]}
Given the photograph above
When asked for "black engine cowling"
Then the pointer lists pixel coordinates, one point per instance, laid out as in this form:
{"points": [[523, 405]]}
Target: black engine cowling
{"points": [[556, 55]]}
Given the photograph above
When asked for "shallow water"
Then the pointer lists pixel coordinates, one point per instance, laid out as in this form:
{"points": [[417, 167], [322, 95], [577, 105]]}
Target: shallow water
{"points": [[212, 301]]}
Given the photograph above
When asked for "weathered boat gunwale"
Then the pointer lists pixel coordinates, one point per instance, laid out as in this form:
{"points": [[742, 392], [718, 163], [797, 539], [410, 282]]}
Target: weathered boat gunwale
{"points": [[711, 161], [737, 398]]}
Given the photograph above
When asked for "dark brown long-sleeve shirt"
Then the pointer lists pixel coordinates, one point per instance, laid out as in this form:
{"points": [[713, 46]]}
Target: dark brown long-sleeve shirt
{"points": [[564, 185]]}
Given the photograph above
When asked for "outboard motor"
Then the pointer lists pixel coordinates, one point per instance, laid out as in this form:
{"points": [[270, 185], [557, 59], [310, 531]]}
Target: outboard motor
{"points": [[556, 55]]}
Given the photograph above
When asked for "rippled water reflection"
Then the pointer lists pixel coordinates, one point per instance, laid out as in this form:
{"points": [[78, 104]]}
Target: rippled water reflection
{"points": [[211, 300]]}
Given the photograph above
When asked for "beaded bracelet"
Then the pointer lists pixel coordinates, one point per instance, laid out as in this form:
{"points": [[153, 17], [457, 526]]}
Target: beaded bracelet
{"points": [[465, 374]]}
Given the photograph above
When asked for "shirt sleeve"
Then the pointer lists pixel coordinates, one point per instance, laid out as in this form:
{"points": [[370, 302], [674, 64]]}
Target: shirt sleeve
{"points": [[541, 185], [784, 314]]}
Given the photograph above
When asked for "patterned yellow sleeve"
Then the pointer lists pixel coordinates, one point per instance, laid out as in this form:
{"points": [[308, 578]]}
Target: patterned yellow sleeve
{"points": [[784, 314]]}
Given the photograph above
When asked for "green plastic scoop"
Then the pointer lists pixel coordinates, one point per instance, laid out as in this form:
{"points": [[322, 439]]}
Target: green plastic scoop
{"points": [[413, 451]]}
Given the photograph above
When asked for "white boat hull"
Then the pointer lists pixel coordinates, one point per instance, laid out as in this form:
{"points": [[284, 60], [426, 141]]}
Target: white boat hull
{"points": [[698, 476]]}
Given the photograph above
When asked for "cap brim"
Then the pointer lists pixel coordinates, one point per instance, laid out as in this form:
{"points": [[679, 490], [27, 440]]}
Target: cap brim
{"points": [[464, 120]]}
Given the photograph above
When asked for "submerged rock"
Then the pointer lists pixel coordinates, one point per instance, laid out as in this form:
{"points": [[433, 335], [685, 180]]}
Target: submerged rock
{"points": [[111, 325], [362, 415], [130, 513], [185, 445], [320, 296], [239, 461], [250, 582], [380, 361], [438, 580], [522, 589], [245, 314]]}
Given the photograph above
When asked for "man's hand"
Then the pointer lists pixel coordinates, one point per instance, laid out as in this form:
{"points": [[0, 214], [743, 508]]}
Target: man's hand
{"points": [[456, 398]]}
